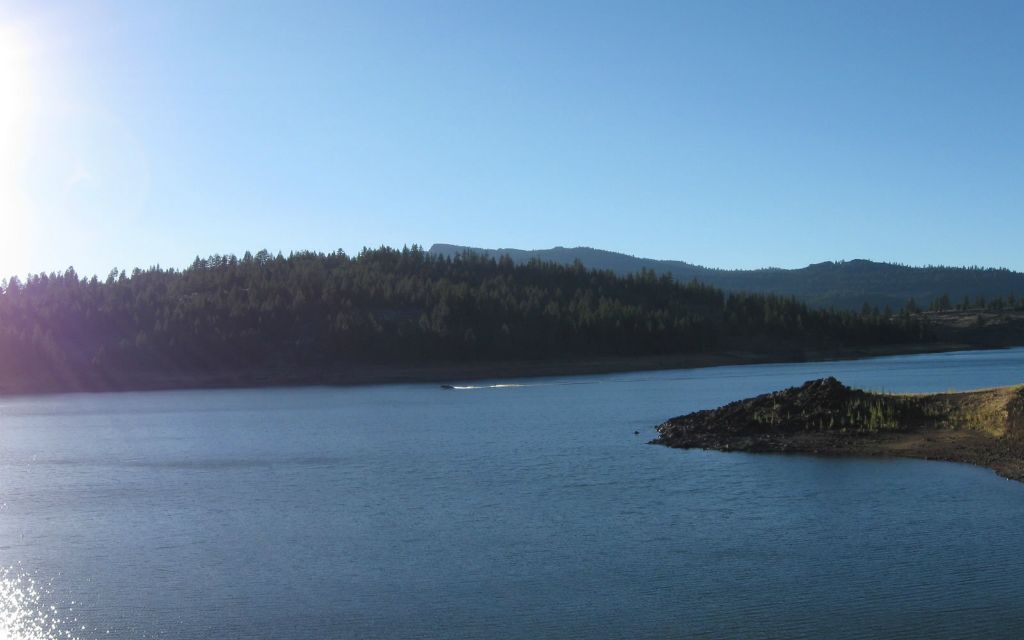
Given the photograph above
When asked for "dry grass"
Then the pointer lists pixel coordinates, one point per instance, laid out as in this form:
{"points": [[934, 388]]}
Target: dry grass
{"points": [[985, 410]]}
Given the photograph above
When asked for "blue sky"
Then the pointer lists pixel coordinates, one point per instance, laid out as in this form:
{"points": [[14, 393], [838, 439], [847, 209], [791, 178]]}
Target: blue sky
{"points": [[726, 134]]}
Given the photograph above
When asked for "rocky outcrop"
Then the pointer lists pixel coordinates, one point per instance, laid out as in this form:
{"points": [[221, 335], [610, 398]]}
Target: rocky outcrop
{"points": [[826, 417]]}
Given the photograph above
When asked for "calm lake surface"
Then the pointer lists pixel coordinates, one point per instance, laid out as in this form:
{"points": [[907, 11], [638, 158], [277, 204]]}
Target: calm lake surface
{"points": [[404, 511]]}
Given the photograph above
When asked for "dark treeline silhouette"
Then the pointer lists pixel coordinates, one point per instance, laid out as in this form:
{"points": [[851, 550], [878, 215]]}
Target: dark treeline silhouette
{"points": [[842, 285], [385, 307], [979, 303]]}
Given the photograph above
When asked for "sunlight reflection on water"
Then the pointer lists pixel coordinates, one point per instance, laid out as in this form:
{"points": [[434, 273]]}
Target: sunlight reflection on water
{"points": [[25, 616], [405, 511]]}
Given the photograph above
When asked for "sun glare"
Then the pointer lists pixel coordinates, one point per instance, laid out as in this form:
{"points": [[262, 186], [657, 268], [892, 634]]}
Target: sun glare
{"points": [[15, 83], [16, 103]]}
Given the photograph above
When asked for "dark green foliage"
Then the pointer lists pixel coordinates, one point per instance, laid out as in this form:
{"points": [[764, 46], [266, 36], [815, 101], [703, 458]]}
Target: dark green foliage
{"points": [[387, 306], [941, 303], [843, 285]]}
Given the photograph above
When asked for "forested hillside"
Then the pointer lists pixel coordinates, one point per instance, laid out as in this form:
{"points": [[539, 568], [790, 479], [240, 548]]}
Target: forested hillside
{"points": [[843, 285], [384, 306]]}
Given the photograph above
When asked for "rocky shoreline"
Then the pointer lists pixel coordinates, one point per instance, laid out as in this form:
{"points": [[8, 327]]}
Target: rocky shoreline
{"points": [[825, 417]]}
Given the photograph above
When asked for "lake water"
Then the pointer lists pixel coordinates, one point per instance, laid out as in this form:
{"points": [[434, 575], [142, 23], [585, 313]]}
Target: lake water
{"points": [[405, 511]]}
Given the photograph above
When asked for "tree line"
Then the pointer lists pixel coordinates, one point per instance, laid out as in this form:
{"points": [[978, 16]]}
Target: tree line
{"points": [[843, 285], [997, 304], [389, 307]]}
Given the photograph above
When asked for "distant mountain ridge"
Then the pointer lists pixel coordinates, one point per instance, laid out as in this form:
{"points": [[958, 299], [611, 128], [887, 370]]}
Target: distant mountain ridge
{"points": [[844, 284]]}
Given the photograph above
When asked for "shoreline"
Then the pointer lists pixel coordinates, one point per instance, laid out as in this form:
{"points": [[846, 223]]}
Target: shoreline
{"points": [[983, 427], [441, 373]]}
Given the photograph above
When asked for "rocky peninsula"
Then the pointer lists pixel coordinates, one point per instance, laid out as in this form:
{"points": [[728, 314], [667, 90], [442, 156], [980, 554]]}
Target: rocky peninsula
{"points": [[825, 417]]}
